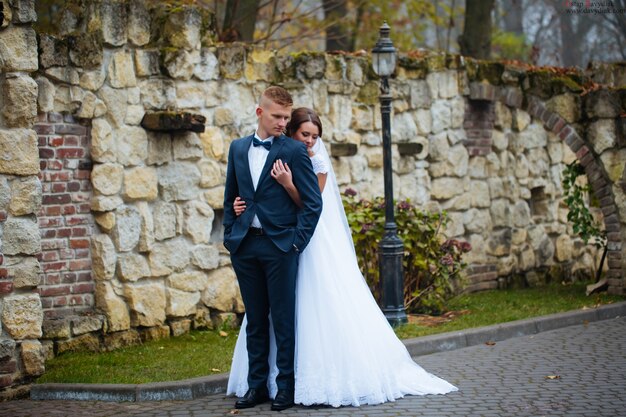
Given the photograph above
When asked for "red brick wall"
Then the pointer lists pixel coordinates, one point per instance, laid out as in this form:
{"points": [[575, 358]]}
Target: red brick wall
{"points": [[65, 219], [478, 124]]}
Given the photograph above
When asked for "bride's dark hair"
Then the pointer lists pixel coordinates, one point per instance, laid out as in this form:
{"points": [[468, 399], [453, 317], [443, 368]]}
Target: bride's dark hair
{"points": [[302, 115]]}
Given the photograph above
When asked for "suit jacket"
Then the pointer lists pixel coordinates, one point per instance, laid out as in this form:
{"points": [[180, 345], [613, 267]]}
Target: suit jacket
{"points": [[282, 220]]}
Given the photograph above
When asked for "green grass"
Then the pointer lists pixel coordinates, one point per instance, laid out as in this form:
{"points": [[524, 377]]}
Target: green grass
{"points": [[203, 353]]}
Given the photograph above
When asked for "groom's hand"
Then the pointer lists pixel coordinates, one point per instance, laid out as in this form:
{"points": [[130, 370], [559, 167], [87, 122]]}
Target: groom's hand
{"points": [[239, 205]]}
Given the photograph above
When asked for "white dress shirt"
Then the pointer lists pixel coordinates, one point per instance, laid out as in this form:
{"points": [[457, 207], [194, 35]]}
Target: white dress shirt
{"points": [[257, 155]]}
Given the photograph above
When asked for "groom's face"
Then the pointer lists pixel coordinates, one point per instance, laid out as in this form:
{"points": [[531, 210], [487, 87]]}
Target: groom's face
{"points": [[273, 118]]}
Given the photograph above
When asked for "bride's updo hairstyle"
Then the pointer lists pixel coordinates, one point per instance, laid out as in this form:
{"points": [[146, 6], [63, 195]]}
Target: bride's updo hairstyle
{"points": [[302, 115]]}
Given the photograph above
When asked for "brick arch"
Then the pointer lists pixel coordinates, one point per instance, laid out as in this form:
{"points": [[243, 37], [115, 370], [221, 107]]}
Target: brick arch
{"points": [[594, 169]]}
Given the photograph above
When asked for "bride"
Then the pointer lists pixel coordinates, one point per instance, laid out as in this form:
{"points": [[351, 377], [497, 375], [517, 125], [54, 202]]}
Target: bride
{"points": [[346, 351]]}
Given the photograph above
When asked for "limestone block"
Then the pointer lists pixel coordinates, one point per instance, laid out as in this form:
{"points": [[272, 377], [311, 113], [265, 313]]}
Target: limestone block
{"points": [[564, 248], [103, 257], [420, 95], [180, 327], [198, 221], [454, 227], [20, 155], [231, 61], [500, 211], [222, 292], [21, 236], [164, 220], [127, 228], [499, 140], [103, 143], [5, 193], [86, 342], [7, 348], [168, 256], [146, 236], [215, 197], [211, 174], [25, 196], [23, 11], [187, 146], [565, 105], [118, 340], [116, 103], [140, 183], [113, 306], [158, 94], [92, 80], [503, 118], [441, 113], [154, 333], [404, 127], [457, 110], [22, 316], [536, 235], [555, 151], [191, 94], [45, 94], [480, 194], [477, 221], [535, 136], [340, 111], [56, 328], [259, 65], [182, 28], [107, 178], [33, 359], [613, 161], [105, 203], [181, 303], [180, 64], [363, 118], [521, 120], [147, 62], [499, 242], [445, 188], [477, 254], [438, 146], [18, 49], [132, 145], [545, 252], [506, 265], [189, 281], [204, 257], [138, 22], [208, 67], [24, 270], [19, 101], [121, 71], [179, 181], [7, 14], [134, 115], [461, 202], [105, 220], [602, 135], [86, 324], [88, 106], [521, 214], [522, 167], [132, 266], [147, 304], [159, 148], [114, 22]]}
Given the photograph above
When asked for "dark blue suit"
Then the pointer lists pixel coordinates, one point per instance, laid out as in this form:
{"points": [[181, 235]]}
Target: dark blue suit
{"points": [[266, 265]]}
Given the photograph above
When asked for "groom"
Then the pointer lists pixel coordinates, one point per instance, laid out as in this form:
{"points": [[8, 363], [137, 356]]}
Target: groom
{"points": [[265, 241]]}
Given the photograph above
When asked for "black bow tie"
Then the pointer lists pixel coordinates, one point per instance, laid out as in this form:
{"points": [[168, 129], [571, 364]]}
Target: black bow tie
{"points": [[267, 144]]}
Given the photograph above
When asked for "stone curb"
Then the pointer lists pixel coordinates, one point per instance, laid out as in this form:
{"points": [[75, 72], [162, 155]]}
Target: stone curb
{"points": [[199, 387]]}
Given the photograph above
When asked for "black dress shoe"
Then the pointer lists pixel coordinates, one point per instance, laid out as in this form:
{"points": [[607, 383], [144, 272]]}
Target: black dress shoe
{"points": [[283, 400], [252, 398]]}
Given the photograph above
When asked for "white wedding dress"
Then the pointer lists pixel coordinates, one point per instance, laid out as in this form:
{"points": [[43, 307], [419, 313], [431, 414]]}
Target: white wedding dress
{"points": [[346, 351]]}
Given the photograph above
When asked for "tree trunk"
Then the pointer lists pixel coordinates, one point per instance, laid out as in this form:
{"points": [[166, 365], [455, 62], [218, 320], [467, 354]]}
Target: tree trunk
{"points": [[337, 36], [475, 41], [239, 20]]}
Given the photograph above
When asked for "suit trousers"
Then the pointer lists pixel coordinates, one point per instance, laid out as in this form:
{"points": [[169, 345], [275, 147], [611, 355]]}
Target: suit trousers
{"points": [[267, 280]]}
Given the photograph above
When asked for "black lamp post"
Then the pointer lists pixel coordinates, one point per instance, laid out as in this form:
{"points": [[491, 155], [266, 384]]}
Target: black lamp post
{"points": [[391, 248]]}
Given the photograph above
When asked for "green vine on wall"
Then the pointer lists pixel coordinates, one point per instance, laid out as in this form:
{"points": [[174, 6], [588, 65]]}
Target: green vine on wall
{"points": [[583, 223]]}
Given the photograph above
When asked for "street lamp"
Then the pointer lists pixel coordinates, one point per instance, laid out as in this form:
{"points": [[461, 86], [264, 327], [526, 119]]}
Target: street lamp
{"points": [[391, 248]]}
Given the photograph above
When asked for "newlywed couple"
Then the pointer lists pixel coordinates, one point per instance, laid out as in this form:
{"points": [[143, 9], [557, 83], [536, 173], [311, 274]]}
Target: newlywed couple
{"points": [[320, 339]]}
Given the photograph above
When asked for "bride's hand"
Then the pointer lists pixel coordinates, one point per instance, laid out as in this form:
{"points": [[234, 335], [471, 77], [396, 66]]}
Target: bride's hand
{"points": [[239, 206], [281, 173]]}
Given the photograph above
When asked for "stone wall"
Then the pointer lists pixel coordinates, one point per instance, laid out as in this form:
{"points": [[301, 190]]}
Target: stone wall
{"points": [[484, 141], [21, 352]]}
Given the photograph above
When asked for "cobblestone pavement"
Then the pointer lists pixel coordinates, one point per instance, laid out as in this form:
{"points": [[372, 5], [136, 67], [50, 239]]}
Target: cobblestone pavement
{"points": [[509, 378]]}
